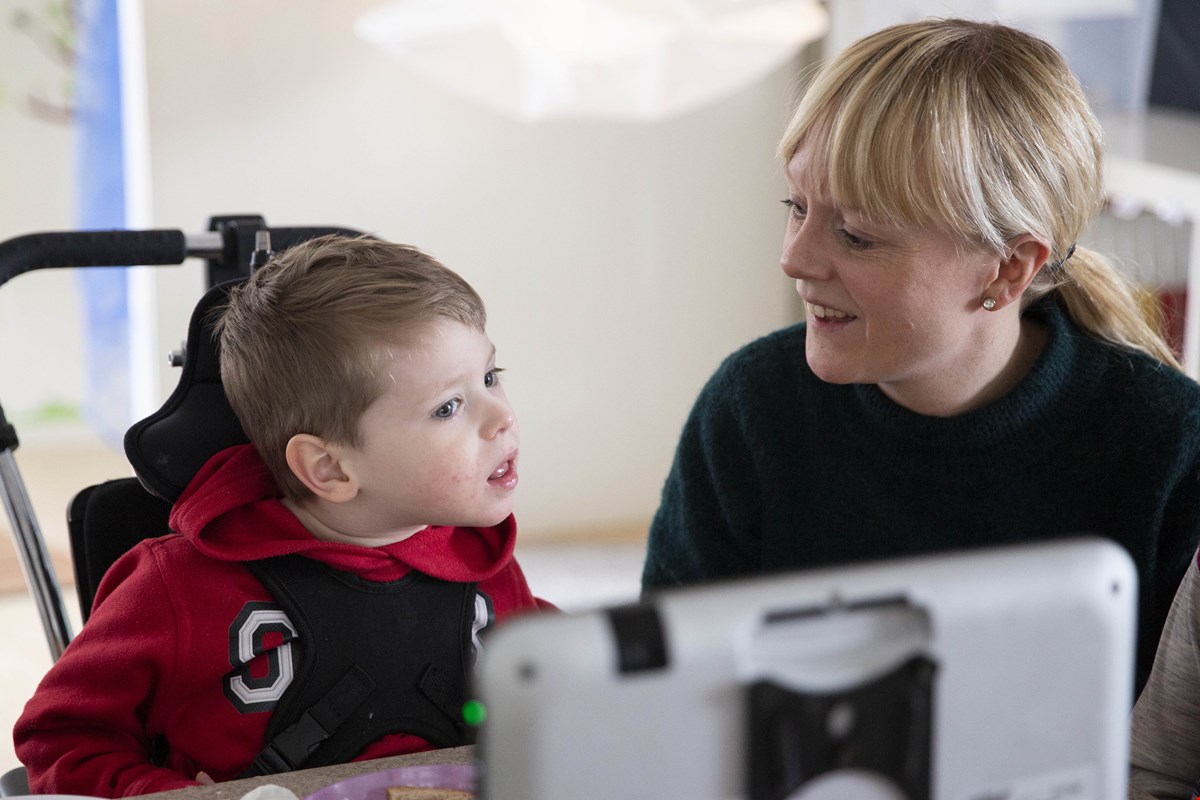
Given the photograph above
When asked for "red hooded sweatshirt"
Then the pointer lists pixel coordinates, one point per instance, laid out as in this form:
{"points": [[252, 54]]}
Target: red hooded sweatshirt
{"points": [[161, 643]]}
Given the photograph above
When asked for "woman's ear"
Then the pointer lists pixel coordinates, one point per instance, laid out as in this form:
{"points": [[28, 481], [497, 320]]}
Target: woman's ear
{"points": [[319, 466], [1019, 265]]}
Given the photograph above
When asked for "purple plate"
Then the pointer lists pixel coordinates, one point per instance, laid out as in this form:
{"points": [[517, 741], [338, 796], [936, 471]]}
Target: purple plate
{"points": [[374, 785]]}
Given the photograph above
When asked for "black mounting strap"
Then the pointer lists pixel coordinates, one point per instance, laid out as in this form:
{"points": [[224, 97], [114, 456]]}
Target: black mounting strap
{"points": [[884, 727]]}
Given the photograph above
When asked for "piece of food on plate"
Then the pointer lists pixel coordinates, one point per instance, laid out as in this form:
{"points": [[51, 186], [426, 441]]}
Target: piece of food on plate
{"points": [[423, 793]]}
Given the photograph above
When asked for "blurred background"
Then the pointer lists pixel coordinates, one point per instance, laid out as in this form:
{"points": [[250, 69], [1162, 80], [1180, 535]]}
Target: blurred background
{"points": [[602, 171]]}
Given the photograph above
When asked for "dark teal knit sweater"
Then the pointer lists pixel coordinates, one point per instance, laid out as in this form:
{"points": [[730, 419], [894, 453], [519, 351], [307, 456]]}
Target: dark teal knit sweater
{"points": [[778, 470]]}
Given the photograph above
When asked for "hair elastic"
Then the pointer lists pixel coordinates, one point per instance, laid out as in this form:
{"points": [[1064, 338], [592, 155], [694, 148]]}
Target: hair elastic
{"points": [[1059, 264]]}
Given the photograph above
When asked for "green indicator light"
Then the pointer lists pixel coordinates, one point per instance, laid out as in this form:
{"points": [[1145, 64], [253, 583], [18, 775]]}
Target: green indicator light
{"points": [[474, 713]]}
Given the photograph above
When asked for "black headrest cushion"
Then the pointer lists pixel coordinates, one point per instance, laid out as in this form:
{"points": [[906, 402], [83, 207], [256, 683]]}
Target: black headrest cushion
{"points": [[168, 447]]}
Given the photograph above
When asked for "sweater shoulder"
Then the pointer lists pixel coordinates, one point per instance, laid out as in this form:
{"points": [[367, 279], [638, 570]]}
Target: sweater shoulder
{"points": [[769, 372], [1143, 388], [1133, 381], [771, 359]]}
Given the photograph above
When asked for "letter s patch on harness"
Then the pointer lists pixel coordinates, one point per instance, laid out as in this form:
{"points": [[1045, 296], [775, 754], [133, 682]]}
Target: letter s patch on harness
{"points": [[262, 657]]}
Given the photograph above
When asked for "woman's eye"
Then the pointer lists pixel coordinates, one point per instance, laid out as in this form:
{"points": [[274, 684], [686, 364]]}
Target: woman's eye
{"points": [[492, 377], [447, 409], [855, 242], [796, 209]]}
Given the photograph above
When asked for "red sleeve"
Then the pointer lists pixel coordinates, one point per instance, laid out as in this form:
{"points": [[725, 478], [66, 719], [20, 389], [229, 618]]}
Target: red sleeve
{"points": [[82, 732]]}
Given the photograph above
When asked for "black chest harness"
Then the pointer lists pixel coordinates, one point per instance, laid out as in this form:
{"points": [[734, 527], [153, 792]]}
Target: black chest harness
{"points": [[374, 659]]}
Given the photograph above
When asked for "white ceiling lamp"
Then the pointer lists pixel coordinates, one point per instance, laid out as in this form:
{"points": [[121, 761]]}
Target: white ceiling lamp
{"points": [[641, 60]]}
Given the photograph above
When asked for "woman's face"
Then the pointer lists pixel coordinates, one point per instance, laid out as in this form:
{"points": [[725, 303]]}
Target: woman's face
{"points": [[894, 307]]}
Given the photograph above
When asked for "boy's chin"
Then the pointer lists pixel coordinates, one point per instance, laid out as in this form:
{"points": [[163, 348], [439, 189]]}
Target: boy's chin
{"points": [[481, 520], [498, 520]]}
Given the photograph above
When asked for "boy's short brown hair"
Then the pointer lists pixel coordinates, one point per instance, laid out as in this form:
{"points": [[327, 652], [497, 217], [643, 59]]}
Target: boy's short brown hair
{"points": [[301, 339]]}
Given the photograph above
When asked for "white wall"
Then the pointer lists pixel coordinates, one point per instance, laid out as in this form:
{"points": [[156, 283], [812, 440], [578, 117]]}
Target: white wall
{"points": [[620, 262], [38, 311]]}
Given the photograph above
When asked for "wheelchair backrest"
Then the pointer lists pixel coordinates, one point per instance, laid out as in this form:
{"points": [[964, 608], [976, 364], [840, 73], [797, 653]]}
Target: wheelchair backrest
{"points": [[168, 447]]}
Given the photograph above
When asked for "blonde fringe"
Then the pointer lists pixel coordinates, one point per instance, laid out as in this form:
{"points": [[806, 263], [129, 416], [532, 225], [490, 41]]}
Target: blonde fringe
{"points": [[1107, 304]]}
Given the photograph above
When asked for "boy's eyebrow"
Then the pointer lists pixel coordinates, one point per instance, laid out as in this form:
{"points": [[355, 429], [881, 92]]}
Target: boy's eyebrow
{"points": [[449, 382]]}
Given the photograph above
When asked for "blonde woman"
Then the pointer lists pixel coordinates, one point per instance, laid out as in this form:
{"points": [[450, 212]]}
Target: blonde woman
{"points": [[967, 372]]}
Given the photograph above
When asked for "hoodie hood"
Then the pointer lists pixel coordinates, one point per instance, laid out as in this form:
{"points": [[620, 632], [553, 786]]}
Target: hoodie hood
{"points": [[232, 511]]}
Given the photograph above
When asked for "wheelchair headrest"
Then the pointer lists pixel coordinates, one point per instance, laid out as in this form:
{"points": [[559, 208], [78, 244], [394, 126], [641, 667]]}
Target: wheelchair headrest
{"points": [[168, 447]]}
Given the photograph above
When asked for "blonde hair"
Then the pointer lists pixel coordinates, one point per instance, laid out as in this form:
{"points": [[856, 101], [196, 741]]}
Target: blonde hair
{"points": [[301, 340], [982, 131]]}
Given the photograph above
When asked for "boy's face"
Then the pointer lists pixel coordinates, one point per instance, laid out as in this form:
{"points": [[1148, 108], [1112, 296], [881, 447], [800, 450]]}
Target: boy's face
{"points": [[440, 445]]}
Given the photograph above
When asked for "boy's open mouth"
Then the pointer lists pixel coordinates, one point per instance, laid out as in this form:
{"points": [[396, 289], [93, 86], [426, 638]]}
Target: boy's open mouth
{"points": [[505, 475]]}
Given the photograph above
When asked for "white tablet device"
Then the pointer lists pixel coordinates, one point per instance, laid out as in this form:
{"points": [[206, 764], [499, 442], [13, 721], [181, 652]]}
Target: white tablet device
{"points": [[999, 673]]}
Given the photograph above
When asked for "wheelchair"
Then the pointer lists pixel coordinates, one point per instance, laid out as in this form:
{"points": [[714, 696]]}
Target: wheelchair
{"points": [[166, 448]]}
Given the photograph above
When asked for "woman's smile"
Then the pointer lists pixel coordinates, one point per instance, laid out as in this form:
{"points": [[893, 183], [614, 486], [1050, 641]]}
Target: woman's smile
{"points": [[829, 314]]}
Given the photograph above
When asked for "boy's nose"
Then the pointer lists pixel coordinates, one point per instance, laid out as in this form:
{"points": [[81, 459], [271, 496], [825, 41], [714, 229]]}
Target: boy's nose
{"points": [[501, 419]]}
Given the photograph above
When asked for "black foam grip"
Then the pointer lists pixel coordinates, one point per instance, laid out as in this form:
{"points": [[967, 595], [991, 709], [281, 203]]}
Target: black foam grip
{"points": [[90, 249]]}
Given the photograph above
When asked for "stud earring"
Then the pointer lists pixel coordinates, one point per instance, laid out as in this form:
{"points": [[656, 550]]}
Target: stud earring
{"points": [[989, 303]]}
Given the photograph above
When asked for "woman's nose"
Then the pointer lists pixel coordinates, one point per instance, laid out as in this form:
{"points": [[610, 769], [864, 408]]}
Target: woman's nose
{"points": [[804, 256]]}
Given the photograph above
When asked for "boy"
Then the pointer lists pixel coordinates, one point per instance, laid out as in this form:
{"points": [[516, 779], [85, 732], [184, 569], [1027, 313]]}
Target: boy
{"points": [[323, 596]]}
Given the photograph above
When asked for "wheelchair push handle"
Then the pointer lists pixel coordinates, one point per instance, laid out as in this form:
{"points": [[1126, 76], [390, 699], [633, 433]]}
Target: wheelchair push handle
{"points": [[228, 246], [115, 248]]}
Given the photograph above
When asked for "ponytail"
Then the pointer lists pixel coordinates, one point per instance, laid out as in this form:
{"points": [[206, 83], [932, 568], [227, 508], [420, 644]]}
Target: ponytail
{"points": [[1105, 303]]}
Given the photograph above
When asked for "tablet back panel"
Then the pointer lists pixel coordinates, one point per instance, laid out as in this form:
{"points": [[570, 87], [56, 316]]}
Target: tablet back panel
{"points": [[988, 674]]}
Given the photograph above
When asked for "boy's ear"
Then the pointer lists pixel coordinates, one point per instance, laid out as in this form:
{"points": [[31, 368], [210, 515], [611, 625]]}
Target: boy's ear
{"points": [[318, 465], [1020, 264]]}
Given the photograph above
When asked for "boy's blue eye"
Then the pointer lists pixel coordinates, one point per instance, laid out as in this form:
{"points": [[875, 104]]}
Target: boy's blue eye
{"points": [[492, 376], [447, 409]]}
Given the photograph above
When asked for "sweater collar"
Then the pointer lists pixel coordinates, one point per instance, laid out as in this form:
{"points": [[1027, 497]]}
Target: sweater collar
{"points": [[1057, 379]]}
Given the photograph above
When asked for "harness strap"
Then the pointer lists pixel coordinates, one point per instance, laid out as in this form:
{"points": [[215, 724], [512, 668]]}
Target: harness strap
{"points": [[442, 692], [293, 745]]}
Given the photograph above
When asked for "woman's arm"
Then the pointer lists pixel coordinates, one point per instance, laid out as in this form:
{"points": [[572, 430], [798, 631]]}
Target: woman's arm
{"points": [[708, 520]]}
